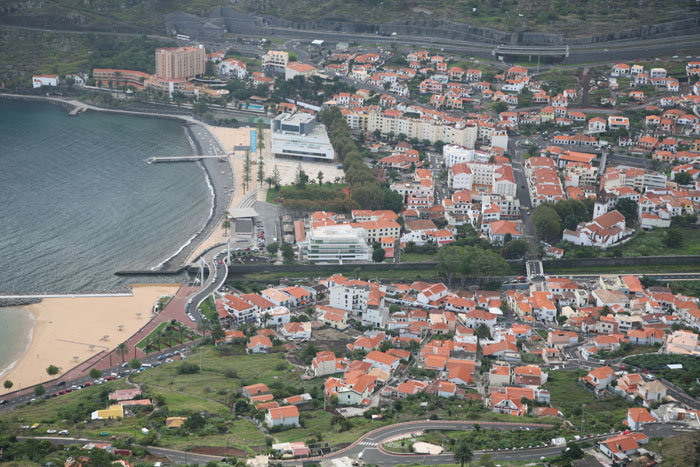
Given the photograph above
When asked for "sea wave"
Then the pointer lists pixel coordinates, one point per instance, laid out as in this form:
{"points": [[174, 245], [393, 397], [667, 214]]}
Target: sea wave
{"points": [[27, 343]]}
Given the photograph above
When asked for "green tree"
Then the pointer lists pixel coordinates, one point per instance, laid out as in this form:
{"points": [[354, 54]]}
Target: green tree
{"points": [[308, 353], [450, 260], [392, 200], [288, 252], [218, 332], [203, 326], [683, 178], [135, 363], [194, 422], [628, 208], [378, 255], [547, 222], [52, 370], [95, 373], [368, 195], [209, 68], [261, 170], [246, 171], [272, 248], [487, 264], [463, 452], [200, 108], [319, 177], [483, 331], [121, 348], [8, 384], [276, 179], [39, 390], [500, 106], [300, 178], [514, 249], [674, 238]]}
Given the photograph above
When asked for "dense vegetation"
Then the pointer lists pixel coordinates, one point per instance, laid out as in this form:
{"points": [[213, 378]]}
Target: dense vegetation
{"points": [[329, 197], [686, 378], [550, 219], [102, 15], [365, 189], [556, 16], [470, 261], [32, 52]]}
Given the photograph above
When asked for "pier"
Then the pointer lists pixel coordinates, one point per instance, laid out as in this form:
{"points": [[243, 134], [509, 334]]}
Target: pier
{"points": [[78, 110], [193, 158]]}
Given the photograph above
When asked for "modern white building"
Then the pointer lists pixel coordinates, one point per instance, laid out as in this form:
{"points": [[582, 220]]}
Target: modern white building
{"points": [[455, 154], [300, 136], [336, 244], [275, 60], [352, 297]]}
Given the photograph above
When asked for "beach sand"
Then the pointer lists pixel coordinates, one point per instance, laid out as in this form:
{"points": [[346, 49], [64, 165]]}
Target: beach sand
{"points": [[75, 327]]}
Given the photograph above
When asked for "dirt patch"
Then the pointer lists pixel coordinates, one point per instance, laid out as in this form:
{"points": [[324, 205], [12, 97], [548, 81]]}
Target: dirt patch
{"points": [[219, 451]]}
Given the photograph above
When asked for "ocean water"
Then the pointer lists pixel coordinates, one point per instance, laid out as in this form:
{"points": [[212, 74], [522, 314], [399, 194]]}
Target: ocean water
{"points": [[15, 327], [78, 202]]}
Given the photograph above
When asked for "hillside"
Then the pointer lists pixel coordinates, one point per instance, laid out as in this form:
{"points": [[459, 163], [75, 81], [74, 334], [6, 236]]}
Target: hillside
{"points": [[566, 17], [100, 15]]}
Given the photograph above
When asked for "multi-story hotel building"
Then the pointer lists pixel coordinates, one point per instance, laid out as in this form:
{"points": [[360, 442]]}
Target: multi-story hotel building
{"points": [[180, 62]]}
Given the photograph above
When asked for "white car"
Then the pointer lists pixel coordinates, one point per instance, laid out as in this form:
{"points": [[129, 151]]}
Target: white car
{"points": [[50, 432], [64, 432]]}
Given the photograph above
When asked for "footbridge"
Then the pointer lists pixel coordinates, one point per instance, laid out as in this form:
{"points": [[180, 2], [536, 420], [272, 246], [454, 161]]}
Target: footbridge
{"points": [[531, 51]]}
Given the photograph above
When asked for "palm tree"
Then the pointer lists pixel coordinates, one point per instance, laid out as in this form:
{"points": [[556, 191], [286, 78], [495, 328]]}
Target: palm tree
{"points": [[463, 453], [121, 348], [203, 327]]}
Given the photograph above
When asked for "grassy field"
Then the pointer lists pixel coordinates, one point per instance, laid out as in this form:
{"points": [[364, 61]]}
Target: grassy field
{"points": [[52, 413], [417, 258], [575, 402], [208, 309], [644, 243]]}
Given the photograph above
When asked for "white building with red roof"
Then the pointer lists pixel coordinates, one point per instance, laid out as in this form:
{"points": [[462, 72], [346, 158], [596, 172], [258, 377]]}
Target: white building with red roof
{"points": [[603, 231], [287, 415]]}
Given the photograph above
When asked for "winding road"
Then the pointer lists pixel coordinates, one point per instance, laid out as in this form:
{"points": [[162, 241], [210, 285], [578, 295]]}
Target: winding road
{"points": [[369, 446]]}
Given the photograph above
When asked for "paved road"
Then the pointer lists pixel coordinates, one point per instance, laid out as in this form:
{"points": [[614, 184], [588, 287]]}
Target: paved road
{"points": [[589, 53], [215, 259], [368, 446], [522, 192]]}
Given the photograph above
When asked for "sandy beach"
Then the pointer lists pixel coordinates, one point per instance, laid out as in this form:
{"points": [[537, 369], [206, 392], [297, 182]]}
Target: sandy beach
{"points": [[66, 328]]}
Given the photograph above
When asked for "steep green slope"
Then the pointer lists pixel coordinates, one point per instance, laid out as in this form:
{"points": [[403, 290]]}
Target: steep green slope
{"points": [[569, 17]]}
